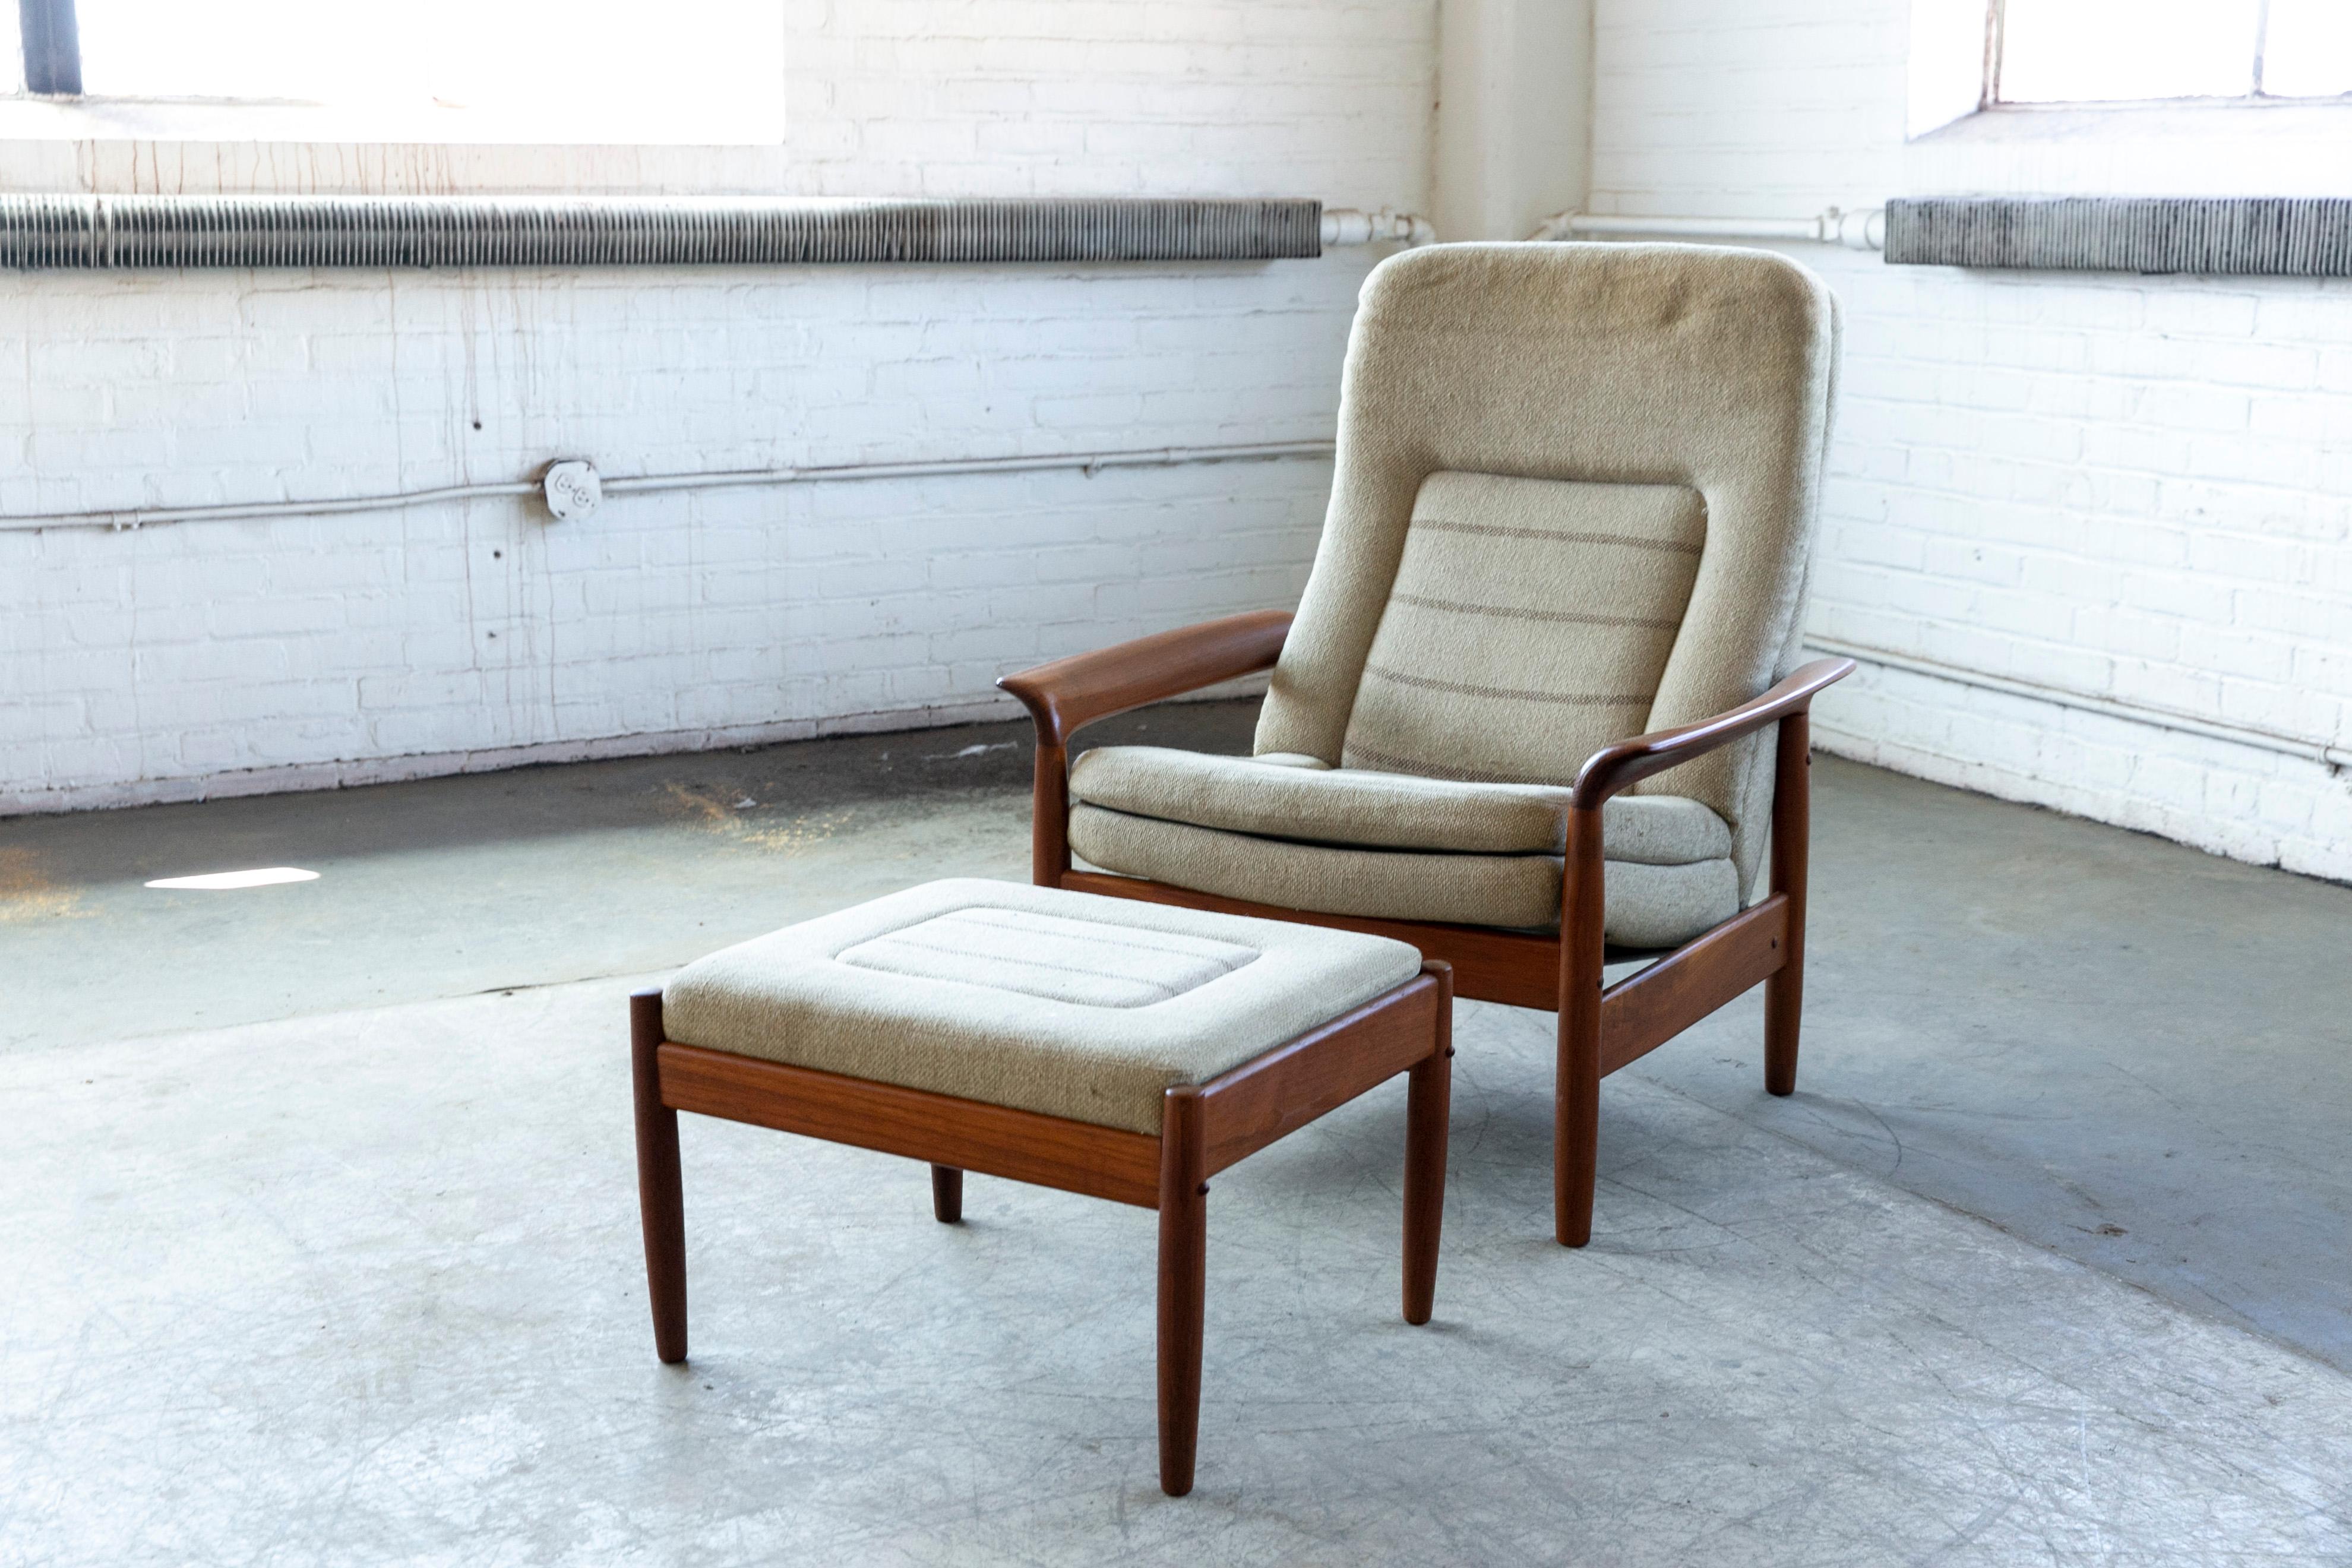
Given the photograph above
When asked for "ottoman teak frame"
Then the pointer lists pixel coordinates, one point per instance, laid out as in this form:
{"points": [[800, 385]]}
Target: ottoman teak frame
{"points": [[1205, 1127]]}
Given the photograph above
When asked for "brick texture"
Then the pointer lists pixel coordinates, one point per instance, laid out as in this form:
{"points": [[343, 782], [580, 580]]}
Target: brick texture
{"points": [[2133, 488], [198, 658]]}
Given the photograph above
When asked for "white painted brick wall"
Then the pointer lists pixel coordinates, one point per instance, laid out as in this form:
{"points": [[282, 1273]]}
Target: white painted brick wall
{"points": [[2132, 488], [213, 657], [2138, 490]]}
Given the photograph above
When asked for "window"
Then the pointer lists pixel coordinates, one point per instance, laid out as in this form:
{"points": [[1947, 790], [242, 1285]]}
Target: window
{"points": [[2138, 97], [2108, 51], [630, 71]]}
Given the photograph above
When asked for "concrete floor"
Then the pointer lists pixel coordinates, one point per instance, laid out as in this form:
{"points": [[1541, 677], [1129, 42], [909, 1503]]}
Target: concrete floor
{"points": [[349, 1273]]}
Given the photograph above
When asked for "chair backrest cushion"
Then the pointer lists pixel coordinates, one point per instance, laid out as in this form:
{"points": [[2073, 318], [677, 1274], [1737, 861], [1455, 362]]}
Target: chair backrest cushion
{"points": [[1530, 623], [1573, 501]]}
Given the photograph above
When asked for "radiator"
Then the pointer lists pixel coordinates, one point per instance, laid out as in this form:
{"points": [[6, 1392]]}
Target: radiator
{"points": [[2226, 236], [119, 232]]}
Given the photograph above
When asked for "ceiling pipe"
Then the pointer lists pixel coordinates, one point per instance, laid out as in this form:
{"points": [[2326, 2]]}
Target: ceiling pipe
{"points": [[1863, 229]]}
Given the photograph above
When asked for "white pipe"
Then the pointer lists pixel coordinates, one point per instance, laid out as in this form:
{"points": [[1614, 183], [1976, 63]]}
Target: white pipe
{"points": [[1088, 462], [1346, 226], [143, 517], [1865, 229], [2322, 752]]}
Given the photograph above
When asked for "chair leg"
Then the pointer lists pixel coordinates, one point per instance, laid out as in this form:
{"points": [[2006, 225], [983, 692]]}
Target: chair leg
{"points": [[1784, 992], [1576, 1130], [661, 1204], [1784, 1011], [946, 1193], [1576, 1092], [1428, 1096], [1183, 1282]]}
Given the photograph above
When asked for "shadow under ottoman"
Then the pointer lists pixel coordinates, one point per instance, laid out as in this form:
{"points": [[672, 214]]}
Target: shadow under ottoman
{"points": [[1123, 1050]]}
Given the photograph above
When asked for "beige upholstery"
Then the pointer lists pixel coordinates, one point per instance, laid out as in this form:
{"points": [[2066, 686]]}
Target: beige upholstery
{"points": [[1649, 905], [1528, 624], [1703, 369], [1574, 503], [1478, 853], [1302, 799], [1062, 1003]]}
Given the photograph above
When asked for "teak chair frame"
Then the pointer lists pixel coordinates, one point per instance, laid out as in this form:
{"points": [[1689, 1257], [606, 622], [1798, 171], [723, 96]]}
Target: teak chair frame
{"points": [[1205, 1129], [1601, 1030]]}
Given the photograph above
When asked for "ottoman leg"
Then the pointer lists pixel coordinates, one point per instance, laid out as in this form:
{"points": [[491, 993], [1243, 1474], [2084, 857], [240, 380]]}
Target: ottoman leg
{"points": [[946, 1193], [1183, 1264], [1429, 1086], [661, 1203]]}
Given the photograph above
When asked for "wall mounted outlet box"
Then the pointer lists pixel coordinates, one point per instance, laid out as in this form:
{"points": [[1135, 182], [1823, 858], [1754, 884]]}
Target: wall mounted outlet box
{"points": [[572, 487]]}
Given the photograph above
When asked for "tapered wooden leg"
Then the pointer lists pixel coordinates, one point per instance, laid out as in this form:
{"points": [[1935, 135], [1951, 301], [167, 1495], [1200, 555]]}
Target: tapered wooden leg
{"points": [[1428, 1101], [1049, 817], [1184, 1280], [1576, 1094], [1576, 1130], [1784, 991], [946, 1193], [661, 1203]]}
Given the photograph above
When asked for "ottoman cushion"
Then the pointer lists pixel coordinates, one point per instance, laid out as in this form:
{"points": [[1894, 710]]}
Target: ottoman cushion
{"points": [[1068, 1004]]}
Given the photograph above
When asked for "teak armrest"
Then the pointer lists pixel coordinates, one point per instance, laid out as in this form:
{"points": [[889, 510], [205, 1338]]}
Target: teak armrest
{"points": [[1072, 693], [1614, 766], [1075, 691]]}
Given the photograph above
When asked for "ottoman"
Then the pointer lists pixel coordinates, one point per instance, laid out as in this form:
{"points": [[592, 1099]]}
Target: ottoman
{"points": [[1125, 1050]]}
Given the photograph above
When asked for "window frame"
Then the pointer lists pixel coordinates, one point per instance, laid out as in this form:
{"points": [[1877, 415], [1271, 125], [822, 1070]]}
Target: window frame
{"points": [[48, 44], [1996, 40], [1954, 144]]}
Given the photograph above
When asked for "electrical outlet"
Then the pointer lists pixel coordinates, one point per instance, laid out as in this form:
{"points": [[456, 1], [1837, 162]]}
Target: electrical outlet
{"points": [[572, 487]]}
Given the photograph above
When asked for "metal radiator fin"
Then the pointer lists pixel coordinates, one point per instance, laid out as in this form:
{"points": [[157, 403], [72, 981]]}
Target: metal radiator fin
{"points": [[2224, 236], [114, 232]]}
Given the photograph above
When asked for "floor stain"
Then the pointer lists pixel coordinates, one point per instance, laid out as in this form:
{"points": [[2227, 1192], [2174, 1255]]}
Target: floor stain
{"points": [[27, 895], [711, 808], [800, 833]]}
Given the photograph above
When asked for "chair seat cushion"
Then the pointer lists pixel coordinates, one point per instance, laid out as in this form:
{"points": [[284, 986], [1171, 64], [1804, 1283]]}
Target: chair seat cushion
{"points": [[1648, 905], [1302, 798], [1066, 1003]]}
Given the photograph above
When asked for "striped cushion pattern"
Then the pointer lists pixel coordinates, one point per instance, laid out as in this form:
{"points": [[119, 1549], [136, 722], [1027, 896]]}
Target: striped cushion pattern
{"points": [[1087, 964], [1529, 624]]}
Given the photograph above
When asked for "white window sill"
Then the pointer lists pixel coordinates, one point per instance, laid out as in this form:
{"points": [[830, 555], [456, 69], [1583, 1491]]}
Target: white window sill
{"points": [[2181, 148]]}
